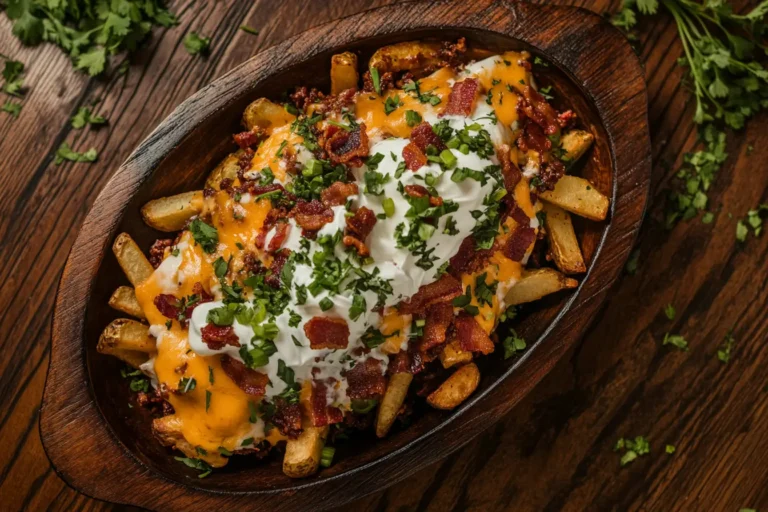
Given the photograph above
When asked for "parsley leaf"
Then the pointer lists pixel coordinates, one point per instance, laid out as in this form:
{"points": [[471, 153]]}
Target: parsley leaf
{"points": [[205, 235], [676, 341], [632, 448], [13, 82], [669, 311], [66, 153], [84, 117], [197, 44], [513, 344], [724, 352], [14, 109]]}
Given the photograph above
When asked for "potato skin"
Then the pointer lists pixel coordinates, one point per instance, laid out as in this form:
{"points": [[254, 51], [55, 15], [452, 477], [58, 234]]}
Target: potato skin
{"points": [[124, 299], [535, 284], [406, 56], [302, 455], [344, 73], [170, 214], [136, 266], [266, 115], [397, 389], [578, 196], [227, 168], [563, 245], [456, 388]]}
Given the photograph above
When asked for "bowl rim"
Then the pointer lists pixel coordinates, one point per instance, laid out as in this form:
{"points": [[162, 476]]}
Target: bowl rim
{"points": [[525, 22]]}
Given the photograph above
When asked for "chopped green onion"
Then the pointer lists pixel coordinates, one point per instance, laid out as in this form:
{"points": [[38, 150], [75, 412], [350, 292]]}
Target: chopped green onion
{"points": [[389, 206], [448, 159], [362, 406], [326, 457]]}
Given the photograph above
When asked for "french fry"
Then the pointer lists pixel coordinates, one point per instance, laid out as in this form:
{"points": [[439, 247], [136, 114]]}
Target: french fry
{"points": [[227, 168], [168, 431], [452, 354], [578, 196], [406, 56], [456, 388], [394, 396], [124, 299], [563, 246], [302, 455], [172, 213], [538, 283], [126, 334], [136, 266], [574, 144], [343, 72], [265, 115]]}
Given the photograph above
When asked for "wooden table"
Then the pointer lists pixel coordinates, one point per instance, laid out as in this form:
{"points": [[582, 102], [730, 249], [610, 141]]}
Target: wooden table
{"points": [[554, 451]]}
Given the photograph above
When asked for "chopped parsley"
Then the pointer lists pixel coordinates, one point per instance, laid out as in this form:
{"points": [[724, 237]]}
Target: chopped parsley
{"points": [[676, 341], [197, 464], [186, 384], [513, 344], [197, 44], [293, 318], [724, 352], [392, 103], [669, 311], [205, 235], [412, 118], [632, 448], [66, 153], [424, 97]]}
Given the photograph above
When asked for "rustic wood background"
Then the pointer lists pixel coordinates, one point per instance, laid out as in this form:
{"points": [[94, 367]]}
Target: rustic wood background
{"points": [[554, 451]]}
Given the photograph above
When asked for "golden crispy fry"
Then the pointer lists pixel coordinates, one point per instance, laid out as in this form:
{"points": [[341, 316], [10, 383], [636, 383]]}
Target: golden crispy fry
{"points": [[578, 196], [575, 143], [406, 56], [136, 266], [453, 354], [343, 72], [456, 388], [129, 357], [168, 431], [538, 283], [302, 455], [563, 246], [227, 168], [124, 299], [172, 213], [265, 115], [397, 389], [126, 334]]}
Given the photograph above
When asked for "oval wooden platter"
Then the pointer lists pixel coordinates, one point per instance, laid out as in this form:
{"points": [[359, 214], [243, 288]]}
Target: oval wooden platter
{"points": [[103, 447]]}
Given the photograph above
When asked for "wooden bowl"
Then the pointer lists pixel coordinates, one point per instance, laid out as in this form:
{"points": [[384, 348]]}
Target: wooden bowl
{"points": [[104, 448]]}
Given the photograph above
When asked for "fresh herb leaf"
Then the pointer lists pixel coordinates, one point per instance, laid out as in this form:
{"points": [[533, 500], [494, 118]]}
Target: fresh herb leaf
{"points": [[669, 311], [197, 44], [13, 108], [205, 235], [250, 30], [513, 344], [66, 153], [724, 352], [676, 341], [632, 448], [84, 117]]}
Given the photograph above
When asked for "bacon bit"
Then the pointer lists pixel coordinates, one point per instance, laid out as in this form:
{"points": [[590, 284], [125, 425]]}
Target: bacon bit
{"points": [[250, 381], [444, 289], [244, 162], [325, 332], [533, 138], [407, 361], [550, 173], [312, 215], [303, 97], [281, 233], [346, 147], [416, 191], [322, 414], [253, 188], [287, 418], [217, 337], [424, 136], [414, 158], [360, 247], [386, 81], [157, 251], [337, 193], [366, 380], [519, 215], [566, 118], [472, 337], [461, 101], [273, 276], [509, 170], [519, 242], [167, 305], [468, 259], [274, 216], [361, 223], [525, 64], [337, 102], [536, 108], [439, 318], [246, 139]]}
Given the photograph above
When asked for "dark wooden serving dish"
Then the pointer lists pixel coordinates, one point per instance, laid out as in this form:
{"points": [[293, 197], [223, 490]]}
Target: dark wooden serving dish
{"points": [[104, 448]]}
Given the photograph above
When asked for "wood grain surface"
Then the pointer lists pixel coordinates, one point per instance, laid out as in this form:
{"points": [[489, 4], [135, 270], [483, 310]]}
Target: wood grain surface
{"points": [[554, 450]]}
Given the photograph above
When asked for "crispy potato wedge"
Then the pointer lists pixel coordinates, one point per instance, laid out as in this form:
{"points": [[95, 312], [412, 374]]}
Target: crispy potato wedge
{"points": [[578, 196], [563, 245], [456, 388], [227, 168], [406, 56], [266, 115], [302, 455], [124, 299], [538, 283], [126, 334], [344, 72], [172, 213], [136, 266], [394, 396], [168, 431], [452, 354], [130, 357], [575, 143]]}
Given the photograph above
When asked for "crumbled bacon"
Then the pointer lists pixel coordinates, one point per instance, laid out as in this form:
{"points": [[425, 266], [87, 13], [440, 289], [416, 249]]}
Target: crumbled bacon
{"points": [[416, 191], [471, 336], [532, 137], [566, 118], [461, 101], [346, 147], [244, 162], [509, 170], [250, 381], [518, 242], [255, 189], [167, 305], [325, 332], [536, 108], [424, 136], [407, 361], [468, 259], [303, 97], [337, 193], [414, 158], [217, 337], [287, 418], [444, 289], [550, 173], [439, 318], [337, 102], [273, 278], [274, 216], [386, 81], [366, 380], [322, 414], [246, 139], [361, 223], [157, 251], [519, 215], [312, 215], [360, 247], [281, 234]]}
